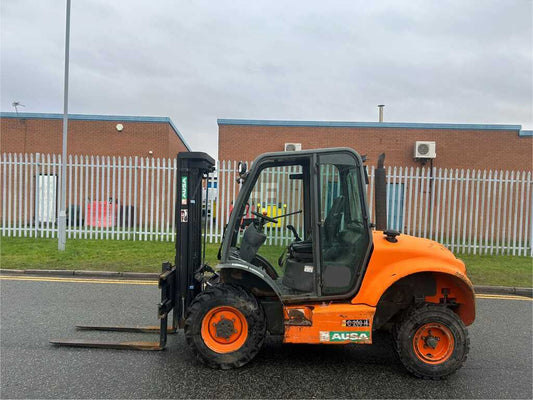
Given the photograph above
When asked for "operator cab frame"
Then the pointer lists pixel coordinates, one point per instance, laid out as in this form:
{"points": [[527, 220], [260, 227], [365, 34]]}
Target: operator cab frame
{"points": [[328, 261]]}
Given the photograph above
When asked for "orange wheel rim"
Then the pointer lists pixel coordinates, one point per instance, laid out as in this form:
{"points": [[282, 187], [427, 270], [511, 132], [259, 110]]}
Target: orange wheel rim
{"points": [[224, 329], [433, 343]]}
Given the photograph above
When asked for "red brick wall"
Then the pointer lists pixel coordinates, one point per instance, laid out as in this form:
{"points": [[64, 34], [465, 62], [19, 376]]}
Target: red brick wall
{"points": [[174, 144], [19, 135], [483, 149]]}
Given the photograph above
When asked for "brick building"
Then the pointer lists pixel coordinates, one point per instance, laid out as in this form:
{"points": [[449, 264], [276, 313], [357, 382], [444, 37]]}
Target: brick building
{"points": [[472, 146], [104, 135]]}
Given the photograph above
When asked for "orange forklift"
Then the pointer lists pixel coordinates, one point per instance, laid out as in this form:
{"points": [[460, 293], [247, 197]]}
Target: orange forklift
{"points": [[341, 279]]}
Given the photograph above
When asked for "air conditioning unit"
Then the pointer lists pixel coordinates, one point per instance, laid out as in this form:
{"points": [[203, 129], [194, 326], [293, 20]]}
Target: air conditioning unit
{"points": [[425, 149], [293, 146]]}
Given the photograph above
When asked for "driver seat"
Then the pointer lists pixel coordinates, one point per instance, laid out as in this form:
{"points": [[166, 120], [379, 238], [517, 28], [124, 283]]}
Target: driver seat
{"points": [[332, 223], [299, 266]]}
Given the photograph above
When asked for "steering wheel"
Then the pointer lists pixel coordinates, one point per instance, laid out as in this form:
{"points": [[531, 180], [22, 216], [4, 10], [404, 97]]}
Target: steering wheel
{"points": [[265, 217]]}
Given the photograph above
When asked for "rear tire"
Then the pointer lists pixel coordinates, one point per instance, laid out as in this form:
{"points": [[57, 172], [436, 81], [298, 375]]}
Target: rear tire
{"points": [[225, 326], [432, 341]]}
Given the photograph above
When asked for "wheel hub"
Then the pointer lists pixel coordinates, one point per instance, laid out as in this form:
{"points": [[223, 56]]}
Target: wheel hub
{"points": [[433, 343], [224, 328], [430, 340]]}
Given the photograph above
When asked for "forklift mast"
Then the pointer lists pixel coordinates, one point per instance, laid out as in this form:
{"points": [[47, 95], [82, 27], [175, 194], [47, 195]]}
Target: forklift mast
{"points": [[178, 283], [193, 168]]}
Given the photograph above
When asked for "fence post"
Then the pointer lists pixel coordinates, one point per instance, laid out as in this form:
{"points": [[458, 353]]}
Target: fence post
{"points": [[530, 214]]}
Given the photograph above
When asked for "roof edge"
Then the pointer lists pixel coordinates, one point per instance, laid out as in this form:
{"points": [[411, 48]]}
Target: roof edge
{"points": [[91, 117], [346, 124], [178, 133]]}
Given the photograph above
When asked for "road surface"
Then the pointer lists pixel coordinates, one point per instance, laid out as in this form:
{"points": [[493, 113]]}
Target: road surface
{"points": [[33, 310]]}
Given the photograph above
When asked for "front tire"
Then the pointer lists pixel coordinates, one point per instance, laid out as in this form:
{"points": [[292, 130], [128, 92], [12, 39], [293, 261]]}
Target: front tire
{"points": [[225, 326], [432, 341]]}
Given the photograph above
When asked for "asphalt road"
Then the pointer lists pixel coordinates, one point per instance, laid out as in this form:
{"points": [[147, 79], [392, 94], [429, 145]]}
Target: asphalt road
{"points": [[499, 365]]}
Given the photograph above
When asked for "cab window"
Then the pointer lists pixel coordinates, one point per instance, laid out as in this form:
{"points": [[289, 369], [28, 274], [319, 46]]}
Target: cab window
{"points": [[344, 236]]}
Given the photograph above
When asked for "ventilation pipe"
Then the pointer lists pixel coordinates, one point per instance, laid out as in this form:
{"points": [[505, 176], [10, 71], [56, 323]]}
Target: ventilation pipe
{"points": [[381, 195], [380, 107]]}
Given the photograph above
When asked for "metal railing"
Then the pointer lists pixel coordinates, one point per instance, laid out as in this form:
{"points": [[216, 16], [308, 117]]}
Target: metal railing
{"points": [[132, 198]]}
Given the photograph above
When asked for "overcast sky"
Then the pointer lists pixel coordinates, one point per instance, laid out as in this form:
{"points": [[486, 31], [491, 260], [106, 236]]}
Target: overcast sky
{"points": [[464, 61]]}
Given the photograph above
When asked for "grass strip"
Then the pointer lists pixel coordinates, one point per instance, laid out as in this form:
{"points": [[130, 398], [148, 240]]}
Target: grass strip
{"points": [[142, 256]]}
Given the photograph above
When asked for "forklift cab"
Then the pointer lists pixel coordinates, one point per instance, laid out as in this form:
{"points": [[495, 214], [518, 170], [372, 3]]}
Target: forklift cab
{"points": [[322, 192]]}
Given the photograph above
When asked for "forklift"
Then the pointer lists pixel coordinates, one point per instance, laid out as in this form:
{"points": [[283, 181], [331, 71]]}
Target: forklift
{"points": [[339, 280]]}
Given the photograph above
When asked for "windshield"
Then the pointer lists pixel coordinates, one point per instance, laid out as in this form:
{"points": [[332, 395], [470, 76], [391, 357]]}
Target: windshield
{"points": [[278, 195]]}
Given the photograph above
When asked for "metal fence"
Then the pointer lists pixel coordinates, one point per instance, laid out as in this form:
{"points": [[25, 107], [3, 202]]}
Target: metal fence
{"points": [[132, 198]]}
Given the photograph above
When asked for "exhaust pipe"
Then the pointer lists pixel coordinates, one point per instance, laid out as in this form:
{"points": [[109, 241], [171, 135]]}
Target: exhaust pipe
{"points": [[381, 195]]}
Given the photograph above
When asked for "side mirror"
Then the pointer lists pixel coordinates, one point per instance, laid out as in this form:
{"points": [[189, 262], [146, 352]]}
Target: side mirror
{"points": [[242, 170], [242, 167]]}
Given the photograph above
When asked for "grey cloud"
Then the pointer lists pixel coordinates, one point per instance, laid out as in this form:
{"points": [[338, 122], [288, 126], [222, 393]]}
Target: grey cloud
{"points": [[433, 61]]}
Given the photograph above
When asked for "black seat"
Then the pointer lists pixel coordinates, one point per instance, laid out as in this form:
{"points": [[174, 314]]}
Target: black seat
{"points": [[332, 223], [301, 251], [299, 266]]}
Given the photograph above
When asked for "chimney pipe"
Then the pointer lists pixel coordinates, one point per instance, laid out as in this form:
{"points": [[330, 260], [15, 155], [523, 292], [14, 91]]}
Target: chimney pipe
{"points": [[381, 106]]}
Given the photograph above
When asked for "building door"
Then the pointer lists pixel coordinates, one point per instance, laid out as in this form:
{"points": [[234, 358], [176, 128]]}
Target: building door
{"points": [[45, 199]]}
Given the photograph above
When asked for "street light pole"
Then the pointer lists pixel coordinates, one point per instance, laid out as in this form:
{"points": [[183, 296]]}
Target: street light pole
{"points": [[62, 218]]}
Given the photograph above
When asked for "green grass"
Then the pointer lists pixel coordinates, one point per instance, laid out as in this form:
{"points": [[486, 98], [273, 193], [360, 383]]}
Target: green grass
{"points": [[499, 270], [98, 255], [95, 255], [116, 255]]}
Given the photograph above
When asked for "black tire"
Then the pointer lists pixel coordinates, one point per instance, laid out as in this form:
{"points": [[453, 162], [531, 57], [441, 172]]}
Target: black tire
{"points": [[394, 331], [236, 297], [438, 315]]}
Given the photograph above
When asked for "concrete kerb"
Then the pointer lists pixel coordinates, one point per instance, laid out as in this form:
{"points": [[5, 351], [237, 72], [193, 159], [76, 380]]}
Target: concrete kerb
{"points": [[80, 273], [481, 289], [517, 291], [98, 274]]}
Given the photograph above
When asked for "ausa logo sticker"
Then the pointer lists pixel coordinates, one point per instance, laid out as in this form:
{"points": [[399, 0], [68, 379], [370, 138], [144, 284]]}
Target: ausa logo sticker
{"points": [[184, 194], [363, 336]]}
